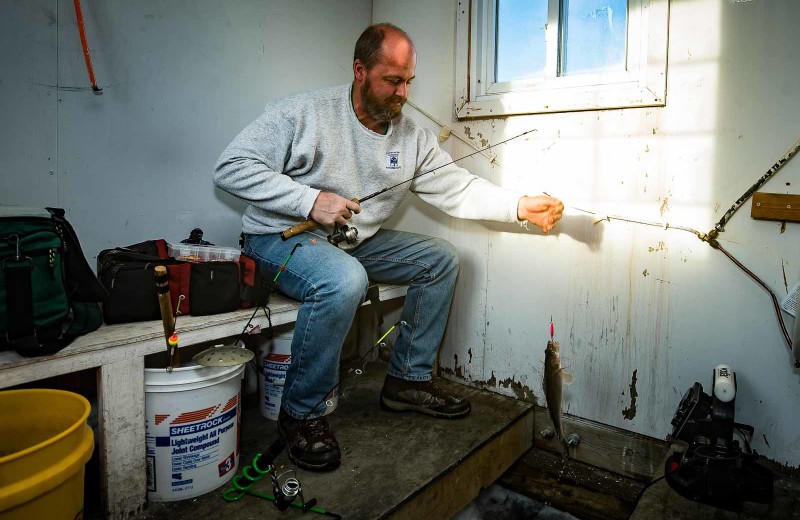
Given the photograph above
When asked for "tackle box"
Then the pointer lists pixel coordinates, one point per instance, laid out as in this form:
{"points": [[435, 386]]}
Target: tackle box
{"points": [[198, 253]]}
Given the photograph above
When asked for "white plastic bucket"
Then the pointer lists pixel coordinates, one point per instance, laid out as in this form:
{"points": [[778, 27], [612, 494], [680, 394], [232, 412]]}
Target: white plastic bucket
{"points": [[274, 358], [192, 418]]}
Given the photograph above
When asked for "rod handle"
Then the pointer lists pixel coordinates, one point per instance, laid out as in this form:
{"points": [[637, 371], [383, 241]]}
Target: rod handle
{"points": [[165, 305], [298, 228]]}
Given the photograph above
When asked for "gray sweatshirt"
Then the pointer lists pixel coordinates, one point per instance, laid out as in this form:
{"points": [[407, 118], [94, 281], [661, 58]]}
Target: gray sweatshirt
{"points": [[312, 141]]}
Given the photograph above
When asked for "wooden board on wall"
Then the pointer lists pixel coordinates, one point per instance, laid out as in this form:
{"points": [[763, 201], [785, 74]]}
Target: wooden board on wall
{"points": [[613, 449], [775, 206]]}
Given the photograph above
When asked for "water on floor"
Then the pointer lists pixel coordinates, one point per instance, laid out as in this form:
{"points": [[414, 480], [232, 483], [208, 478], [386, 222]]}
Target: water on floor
{"points": [[499, 503]]}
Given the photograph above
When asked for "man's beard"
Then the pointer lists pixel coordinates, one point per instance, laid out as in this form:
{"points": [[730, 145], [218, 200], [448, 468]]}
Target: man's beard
{"points": [[380, 110]]}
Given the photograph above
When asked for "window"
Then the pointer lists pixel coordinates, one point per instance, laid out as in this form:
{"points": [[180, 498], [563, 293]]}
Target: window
{"points": [[538, 56]]}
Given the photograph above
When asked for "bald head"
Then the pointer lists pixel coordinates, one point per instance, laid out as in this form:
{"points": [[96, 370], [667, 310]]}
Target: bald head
{"points": [[383, 41]]}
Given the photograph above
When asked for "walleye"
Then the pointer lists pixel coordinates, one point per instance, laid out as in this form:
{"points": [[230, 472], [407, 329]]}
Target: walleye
{"points": [[554, 378]]}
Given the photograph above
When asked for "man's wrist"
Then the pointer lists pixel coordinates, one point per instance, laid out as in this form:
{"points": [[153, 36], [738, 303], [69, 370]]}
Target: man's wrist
{"points": [[520, 212]]}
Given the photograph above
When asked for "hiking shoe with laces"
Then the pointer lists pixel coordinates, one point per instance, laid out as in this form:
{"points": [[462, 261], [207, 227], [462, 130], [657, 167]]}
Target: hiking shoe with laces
{"points": [[310, 443], [422, 396]]}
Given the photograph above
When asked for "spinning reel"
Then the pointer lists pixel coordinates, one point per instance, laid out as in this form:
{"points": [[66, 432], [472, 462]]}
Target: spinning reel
{"points": [[345, 233], [286, 490]]}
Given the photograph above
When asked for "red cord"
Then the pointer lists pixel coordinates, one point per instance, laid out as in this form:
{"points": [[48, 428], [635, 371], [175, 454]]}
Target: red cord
{"points": [[86, 56]]}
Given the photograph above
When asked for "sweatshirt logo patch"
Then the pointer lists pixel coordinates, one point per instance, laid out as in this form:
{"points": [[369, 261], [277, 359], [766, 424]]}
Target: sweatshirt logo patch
{"points": [[392, 160]]}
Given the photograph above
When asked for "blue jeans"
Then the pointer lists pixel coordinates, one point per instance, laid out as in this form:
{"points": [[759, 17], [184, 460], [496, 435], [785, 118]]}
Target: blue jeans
{"points": [[332, 283]]}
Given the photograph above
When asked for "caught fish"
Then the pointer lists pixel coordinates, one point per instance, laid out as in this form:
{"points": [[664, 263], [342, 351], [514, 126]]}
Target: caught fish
{"points": [[554, 378]]}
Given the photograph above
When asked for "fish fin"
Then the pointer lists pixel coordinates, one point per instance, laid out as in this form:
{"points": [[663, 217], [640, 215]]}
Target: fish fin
{"points": [[566, 377]]}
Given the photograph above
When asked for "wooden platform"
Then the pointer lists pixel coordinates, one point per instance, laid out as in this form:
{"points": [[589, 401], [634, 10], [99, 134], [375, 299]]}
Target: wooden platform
{"points": [[395, 465], [117, 352]]}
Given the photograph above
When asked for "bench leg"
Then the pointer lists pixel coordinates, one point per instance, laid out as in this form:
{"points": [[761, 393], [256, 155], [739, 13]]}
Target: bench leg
{"points": [[120, 389]]}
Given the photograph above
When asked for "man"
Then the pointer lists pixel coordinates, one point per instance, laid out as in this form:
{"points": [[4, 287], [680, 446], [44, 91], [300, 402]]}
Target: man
{"points": [[306, 157]]}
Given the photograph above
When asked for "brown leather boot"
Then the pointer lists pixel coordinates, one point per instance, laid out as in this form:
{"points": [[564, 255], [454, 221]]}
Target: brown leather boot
{"points": [[310, 443], [422, 396]]}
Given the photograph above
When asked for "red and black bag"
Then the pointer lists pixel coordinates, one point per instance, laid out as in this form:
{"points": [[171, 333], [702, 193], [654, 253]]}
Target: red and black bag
{"points": [[207, 287]]}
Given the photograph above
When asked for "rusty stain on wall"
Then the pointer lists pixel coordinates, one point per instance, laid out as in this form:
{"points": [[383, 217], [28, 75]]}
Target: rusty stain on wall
{"points": [[664, 206], [523, 392], [630, 412], [644, 272], [659, 247], [785, 283]]}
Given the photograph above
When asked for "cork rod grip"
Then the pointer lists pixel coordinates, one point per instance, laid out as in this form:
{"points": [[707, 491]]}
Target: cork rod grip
{"points": [[299, 228]]}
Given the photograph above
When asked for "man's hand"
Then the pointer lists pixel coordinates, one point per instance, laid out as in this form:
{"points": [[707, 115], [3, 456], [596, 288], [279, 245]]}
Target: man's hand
{"points": [[332, 210], [541, 210]]}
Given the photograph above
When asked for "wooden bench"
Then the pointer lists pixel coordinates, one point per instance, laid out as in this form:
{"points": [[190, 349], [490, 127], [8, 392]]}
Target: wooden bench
{"points": [[118, 352]]}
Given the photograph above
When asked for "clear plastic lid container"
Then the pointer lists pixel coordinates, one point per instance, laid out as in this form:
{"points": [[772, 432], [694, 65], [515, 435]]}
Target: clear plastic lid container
{"points": [[197, 253]]}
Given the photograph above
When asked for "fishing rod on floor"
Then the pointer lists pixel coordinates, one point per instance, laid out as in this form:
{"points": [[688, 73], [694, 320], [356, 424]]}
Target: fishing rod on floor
{"points": [[350, 234], [286, 491]]}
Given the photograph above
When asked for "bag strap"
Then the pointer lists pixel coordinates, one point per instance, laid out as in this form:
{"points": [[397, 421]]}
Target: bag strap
{"points": [[81, 283], [21, 334], [161, 245], [19, 298], [86, 317], [258, 293]]}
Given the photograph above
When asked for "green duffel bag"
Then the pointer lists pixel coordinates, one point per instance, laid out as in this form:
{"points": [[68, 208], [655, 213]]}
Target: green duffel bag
{"points": [[48, 292]]}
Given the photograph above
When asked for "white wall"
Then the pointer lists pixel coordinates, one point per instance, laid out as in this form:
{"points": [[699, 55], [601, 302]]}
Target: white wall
{"points": [[180, 80], [626, 297]]}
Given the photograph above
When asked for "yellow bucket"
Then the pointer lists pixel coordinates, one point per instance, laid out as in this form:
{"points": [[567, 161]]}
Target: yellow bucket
{"points": [[44, 445]]}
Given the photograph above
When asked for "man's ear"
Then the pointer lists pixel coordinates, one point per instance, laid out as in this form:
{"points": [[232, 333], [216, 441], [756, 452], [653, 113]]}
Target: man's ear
{"points": [[359, 70]]}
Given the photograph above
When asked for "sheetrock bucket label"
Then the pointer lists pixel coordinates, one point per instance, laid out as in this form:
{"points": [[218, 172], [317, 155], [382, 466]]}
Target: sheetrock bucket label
{"points": [[275, 367], [190, 453], [270, 382]]}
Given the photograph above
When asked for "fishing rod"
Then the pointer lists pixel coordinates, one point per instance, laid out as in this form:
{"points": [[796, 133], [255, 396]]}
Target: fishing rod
{"points": [[350, 234], [358, 371]]}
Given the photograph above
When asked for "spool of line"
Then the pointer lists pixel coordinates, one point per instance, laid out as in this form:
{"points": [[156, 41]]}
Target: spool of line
{"points": [[724, 383]]}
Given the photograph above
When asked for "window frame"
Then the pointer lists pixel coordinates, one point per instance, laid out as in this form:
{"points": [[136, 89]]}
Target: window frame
{"points": [[642, 84]]}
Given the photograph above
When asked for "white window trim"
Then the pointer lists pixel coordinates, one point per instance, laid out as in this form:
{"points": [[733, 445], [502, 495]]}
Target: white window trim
{"points": [[642, 84]]}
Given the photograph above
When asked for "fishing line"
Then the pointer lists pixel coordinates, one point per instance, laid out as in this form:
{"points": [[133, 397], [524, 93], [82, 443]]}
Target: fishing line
{"points": [[357, 372], [267, 312], [711, 240]]}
